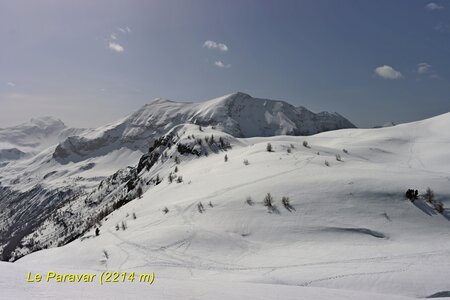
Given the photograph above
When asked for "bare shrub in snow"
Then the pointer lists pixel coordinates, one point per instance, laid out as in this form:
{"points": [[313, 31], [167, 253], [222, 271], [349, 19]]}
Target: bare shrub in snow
{"points": [[157, 179], [345, 151], [139, 192], [269, 147], [245, 162], [176, 169], [327, 163], [200, 207], [124, 225], [288, 150], [292, 146], [210, 204], [429, 195], [438, 206], [225, 158], [305, 144], [105, 254], [134, 216], [170, 177], [268, 200], [287, 203], [177, 160], [338, 157], [165, 210], [117, 227], [249, 201], [179, 179]]}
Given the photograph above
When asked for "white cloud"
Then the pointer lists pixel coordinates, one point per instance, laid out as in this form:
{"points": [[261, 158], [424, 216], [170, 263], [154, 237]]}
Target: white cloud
{"points": [[423, 68], [11, 84], [433, 6], [116, 47], [387, 72], [426, 69], [214, 45], [442, 27], [113, 36], [121, 30], [220, 64], [128, 29]]}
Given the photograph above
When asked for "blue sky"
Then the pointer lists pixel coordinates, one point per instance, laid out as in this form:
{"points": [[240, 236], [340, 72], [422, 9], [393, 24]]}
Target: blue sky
{"points": [[91, 62]]}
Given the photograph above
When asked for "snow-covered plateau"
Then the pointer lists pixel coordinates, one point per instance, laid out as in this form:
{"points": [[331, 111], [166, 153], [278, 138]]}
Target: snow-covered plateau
{"points": [[181, 190]]}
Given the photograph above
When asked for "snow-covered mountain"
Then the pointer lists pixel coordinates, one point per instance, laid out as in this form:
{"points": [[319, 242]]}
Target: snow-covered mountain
{"points": [[48, 167], [195, 211], [237, 114], [32, 137]]}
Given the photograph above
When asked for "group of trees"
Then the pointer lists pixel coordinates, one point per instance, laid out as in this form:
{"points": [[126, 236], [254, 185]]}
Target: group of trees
{"points": [[428, 196]]}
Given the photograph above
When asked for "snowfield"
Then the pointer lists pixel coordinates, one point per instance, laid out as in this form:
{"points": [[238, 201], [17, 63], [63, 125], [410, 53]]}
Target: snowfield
{"points": [[47, 170], [348, 234]]}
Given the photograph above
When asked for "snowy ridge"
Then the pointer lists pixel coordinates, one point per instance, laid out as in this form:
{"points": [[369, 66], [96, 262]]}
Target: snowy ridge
{"points": [[237, 114]]}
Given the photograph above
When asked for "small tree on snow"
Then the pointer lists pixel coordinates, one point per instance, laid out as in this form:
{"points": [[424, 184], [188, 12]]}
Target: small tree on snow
{"points": [[429, 195], [165, 210], [305, 144], [225, 158], [287, 204], [269, 147], [438, 206], [412, 194], [139, 192], [157, 179], [124, 226], [200, 207], [268, 200]]}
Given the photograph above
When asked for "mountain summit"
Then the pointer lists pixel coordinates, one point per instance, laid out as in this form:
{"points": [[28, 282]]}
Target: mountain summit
{"points": [[238, 114]]}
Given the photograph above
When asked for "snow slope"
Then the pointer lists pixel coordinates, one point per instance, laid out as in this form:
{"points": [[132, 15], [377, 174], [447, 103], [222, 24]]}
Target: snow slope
{"points": [[47, 166], [349, 231]]}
